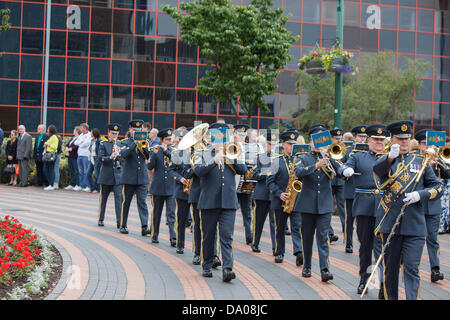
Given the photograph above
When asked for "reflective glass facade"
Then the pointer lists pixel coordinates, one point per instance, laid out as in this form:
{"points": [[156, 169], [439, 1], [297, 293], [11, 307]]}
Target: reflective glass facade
{"points": [[114, 60]]}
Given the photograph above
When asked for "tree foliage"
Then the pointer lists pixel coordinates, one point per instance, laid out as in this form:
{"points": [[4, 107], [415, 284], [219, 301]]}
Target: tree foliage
{"points": [[376, 94], [247, 45]]}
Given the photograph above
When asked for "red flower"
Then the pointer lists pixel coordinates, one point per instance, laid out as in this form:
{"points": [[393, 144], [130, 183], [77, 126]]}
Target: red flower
{"points": [[37, 252]]}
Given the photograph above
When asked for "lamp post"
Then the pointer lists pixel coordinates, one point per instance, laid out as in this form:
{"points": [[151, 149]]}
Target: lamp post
{"points": [[338, 75], [47, 53]]}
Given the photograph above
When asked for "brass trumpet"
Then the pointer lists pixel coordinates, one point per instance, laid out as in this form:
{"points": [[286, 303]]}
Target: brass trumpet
{"points": [[337, 151], [444, 154], [232, 150]]}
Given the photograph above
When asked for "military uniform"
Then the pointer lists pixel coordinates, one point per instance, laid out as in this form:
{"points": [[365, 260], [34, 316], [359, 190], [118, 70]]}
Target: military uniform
{"points": [[367, 197], [277, 183], [433, 210], [316, 206], [109, 177], [162, 189], [217, 204], [261, 197], [337, 189], [134, 179], [406, 245]]}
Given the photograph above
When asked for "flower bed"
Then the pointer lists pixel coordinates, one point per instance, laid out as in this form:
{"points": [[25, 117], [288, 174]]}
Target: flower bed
{"points": [[27, 261]]}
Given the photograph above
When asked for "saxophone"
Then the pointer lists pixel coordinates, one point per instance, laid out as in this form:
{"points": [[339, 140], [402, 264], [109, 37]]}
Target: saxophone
{"points": [[294, 186], [188, 185]]}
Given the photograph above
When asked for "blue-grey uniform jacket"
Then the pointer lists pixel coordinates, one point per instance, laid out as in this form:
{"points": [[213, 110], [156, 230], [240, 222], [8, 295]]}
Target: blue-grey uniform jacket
{"points": [[163, 183], [429, 187], [349, 187], [316, 196], [194, 193], [366, 193], [261, 191], [177, 172], [134, 166], [277, 181], [217, 185], [109, 174]]}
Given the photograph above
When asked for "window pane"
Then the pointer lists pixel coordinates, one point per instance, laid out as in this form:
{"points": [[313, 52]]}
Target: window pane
{"points": [[164, 99], [101, 20], [286, 82], [311, 11], [406, 42], [74, 118], [295, 29], [272, 104], [99, 119], [329, 12], [310, 34], [33, 15], [144, 49], [424, 43], [165, 75], [146, 4], [99, 71], [59, 17], [121, 98], [56, 69], [8, 41], [166, 26], [186, 53], [77, 70], [30, 93], [441, 116], [58, 43], [205, 104], [185, 101], [166, 49], [407, 19], [78, 44], [55, 95], [8, 92], [351, 37], [173, 3], [100, 45], [444, 69], [186, 76], [407, 3], [98, 97], [123, 21], [442, 21], [442, 45], [31, 41], [55, 117], [31, 67], [294, 8], [289, 105], [351, 14], [76, 96], [14, 15], [143, 99], [163, 120], [422, 113], [9, 66], [123, 47], [121, 72], [145, 23], [144, 73], [30, 117], [442, 91], [388, 17], [388, 40], [426, 92], [124, 4], [226, 108], [295, 53]]}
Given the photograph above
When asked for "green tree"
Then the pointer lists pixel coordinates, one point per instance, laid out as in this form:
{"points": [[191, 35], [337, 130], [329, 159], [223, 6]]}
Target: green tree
{"points": [[375, 94], [4, 24], [247, 46]]}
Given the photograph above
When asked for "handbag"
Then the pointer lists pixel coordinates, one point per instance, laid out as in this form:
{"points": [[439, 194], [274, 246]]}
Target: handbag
{"points": [[49, 157], [10, 168]]}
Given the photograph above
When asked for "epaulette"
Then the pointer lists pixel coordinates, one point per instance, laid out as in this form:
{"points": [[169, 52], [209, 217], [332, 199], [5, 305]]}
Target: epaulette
{"points": [[420, 155], [356, 150]]}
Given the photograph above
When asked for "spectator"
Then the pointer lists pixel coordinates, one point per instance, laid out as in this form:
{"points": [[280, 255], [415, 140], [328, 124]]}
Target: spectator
{"points": [[2, 136], [37, 155], [93, 161], [51, 145], [72, 155], [347, 136], [11, 156], [23, 155], [146, 126], [301, 139], [83, 142], [153, 138]]}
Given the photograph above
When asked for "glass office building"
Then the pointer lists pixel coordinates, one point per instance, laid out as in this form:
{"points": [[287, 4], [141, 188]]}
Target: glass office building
{"points": [[114, 60]]}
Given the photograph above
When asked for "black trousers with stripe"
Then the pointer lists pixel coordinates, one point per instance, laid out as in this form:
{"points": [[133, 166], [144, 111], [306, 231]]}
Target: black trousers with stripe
{"points": [[182, 216], [105, 190], [128, 190]]}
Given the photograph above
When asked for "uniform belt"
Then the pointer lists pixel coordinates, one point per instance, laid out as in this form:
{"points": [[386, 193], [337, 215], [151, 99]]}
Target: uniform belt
{"points": [[371, 191]]}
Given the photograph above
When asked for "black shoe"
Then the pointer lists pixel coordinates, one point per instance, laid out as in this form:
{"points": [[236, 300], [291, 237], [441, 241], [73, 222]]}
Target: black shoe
{"points": [[216, 262], [100, 224], [306, 272], [145, 231], [326, 275], [248, 240], [333, 238], [381, 292], [196, 260], [436, 275], [188, 223], [273, 252], [155, 241], [255, 248], [279, 258], [207, 273], [349, 248], [123, 230], [361, 288], [180, 250], [228, 275], [173, 243], [299, 259], [118, 225]]}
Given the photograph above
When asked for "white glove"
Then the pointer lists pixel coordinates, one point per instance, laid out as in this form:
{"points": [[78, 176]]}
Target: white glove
{"points": [[412, 197], [395, 151], [348, 172]]}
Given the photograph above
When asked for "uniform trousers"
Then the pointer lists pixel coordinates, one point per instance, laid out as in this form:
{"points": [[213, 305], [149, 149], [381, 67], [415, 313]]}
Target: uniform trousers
{"points": [[338, 192], [318, 224], [210, 220], [432, 222], [128, 190], [196, 230], [105, 190], [180, 222], [245, 204], [349, 221], [158, 204], [408, 250], [262, 208], [368, 243], [280, 225]]}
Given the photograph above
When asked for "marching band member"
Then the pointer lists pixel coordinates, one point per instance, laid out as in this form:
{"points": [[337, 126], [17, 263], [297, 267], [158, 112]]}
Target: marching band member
{"points": [[109, 175], [398, 172], [134, 178], [277, 183], [337, 184]]}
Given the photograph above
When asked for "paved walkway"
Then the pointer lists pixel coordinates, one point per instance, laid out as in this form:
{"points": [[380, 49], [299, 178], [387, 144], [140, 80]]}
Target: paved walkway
{"points": [[102, 264]]}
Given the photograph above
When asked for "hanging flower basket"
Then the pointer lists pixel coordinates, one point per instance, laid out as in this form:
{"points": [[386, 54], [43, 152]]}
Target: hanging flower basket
{"points": [[321, 61], [315, 67]]}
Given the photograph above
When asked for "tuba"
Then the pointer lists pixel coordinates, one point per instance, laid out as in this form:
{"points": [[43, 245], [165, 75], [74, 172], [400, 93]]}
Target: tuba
{"points": [[294, 186], [444, 154]]}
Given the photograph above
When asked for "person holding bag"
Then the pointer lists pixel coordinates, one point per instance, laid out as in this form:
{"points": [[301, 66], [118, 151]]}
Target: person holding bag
{"points": [[11, 158], [50, 147]]}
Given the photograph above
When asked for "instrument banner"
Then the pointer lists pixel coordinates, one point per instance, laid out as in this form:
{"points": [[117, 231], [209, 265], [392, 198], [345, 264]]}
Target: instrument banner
{"points": [[300, 148], [436, 138], [321, 139], [220, 135], [362, 146], [140, 135]]}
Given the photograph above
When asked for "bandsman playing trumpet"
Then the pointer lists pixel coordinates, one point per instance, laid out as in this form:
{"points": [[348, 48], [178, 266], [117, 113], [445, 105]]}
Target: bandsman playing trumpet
{"points": [[367, 198], [433, 209], [277, 182], [315, 203]]}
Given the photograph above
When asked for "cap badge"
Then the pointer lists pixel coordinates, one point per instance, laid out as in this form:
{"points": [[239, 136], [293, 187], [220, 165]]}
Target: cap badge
{"points": [[116, 128], [339, 132], [379, 131], [292, 136], [169, 132], [363, 129], [138, 124], [404, 127]]}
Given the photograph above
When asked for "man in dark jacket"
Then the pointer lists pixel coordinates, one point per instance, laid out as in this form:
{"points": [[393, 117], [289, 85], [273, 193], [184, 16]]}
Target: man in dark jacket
{"points": [[37, 155]]}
